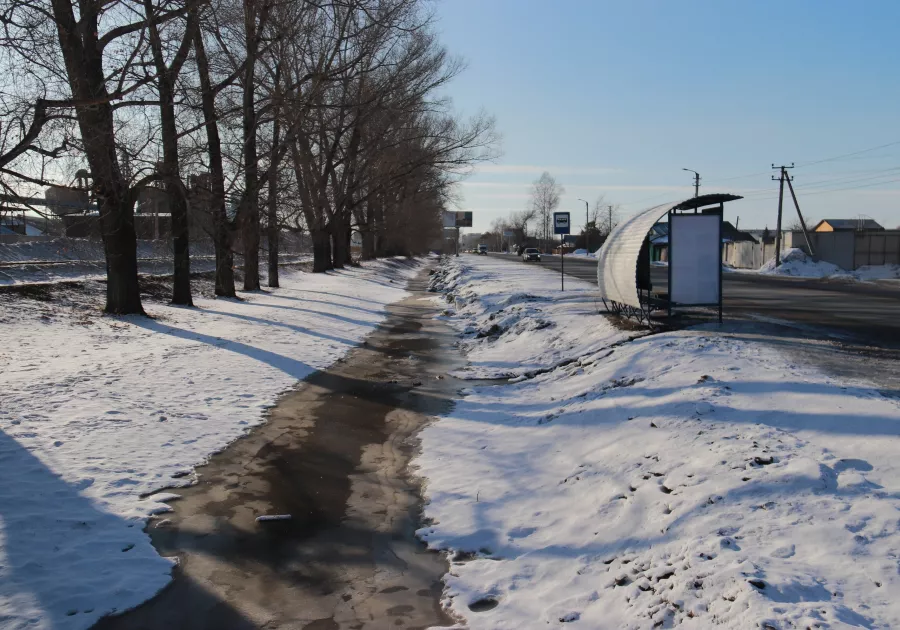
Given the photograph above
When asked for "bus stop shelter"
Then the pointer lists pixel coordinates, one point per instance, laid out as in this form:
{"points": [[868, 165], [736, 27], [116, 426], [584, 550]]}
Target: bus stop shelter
{"points": [[694, 271]]}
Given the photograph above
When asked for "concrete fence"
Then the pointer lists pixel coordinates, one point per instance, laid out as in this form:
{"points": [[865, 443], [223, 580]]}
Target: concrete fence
{"points": [[847, 250], [876, 248], [746, 255]]}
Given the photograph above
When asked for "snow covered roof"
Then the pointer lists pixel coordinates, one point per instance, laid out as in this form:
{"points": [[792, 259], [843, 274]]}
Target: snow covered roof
{"points": [[618, 259]]}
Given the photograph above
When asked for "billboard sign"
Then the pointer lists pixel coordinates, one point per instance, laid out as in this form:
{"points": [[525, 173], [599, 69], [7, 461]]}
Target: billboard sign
{"points": [[449, 219], [561, 223], [694, 258], [463, 219], [508, 234]]}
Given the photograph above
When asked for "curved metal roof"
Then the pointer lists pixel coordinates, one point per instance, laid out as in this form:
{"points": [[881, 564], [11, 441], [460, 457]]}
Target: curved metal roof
{"points": [[618, 259]]}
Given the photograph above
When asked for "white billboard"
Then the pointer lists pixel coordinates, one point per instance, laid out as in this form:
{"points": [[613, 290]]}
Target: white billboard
{"points": [[449, 219], [694, 258]]}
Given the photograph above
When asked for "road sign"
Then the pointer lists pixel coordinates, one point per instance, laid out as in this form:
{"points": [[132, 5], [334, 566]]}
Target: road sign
{"points": [[561, 223], [507, 233]]}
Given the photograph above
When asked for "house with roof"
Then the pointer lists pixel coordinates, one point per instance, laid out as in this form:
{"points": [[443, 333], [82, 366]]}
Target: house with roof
{"points": [[847, 225]]}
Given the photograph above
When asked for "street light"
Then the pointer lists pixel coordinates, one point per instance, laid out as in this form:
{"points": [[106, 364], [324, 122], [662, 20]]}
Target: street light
{"points": [[587, 236], [696, 181]]}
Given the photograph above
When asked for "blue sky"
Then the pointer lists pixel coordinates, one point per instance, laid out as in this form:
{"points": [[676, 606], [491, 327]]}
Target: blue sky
{"points": [[615, 98]]}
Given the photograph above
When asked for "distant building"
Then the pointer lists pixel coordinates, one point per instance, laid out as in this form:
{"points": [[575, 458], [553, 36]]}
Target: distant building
{"points": [[731, 234], [63, 200], [847, 225], [659, 239]]}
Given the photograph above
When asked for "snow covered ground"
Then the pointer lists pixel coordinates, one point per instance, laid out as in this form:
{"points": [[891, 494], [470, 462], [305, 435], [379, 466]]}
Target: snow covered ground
{"points": [[795, 262], [695, 479], [98, 412], [82, 259]]}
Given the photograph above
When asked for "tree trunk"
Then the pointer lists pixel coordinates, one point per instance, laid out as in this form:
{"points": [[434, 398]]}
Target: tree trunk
{"points": [[273, 240], [170, 171], [123, 296], [272, 227], [250, 222], [379, 229], [222, 235], [84, 69], [250, 240], [337, 243], [368, 245], [321, 250]]}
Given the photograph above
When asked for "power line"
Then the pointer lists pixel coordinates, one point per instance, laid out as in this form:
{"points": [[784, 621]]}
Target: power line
{"points": [[820, 192], [846, 155], [842, 182], [765, 193]]}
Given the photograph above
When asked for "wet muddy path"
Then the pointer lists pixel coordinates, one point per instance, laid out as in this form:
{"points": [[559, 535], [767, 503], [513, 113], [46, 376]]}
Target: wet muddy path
{"points": [[334, 457]]}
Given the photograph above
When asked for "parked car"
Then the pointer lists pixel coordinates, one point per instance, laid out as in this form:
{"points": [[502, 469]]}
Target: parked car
{"points": [[531, 254]]}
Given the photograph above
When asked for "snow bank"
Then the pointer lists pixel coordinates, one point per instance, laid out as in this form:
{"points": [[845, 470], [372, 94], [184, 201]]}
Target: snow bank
{"points": [[795, 262], [878, 272], [692, 479], [523, 324], [96, 412]]}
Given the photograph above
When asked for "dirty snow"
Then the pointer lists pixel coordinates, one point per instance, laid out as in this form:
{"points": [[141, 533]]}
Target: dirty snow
{"points": [[96, 412], [694, 479], [795, 262]]}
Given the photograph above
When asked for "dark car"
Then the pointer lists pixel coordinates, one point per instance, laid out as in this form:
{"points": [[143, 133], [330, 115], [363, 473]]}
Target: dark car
{"points": [[531, 254]]}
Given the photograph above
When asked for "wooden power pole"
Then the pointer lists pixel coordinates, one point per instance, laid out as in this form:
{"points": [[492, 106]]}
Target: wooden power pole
{"points": [[782, 174], [782, 178]]}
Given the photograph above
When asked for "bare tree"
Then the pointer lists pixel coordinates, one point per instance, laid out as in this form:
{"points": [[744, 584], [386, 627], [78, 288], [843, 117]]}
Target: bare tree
{"points": [[93, 62], [794, 224], [545, 197], [333, 110], [167, 73], [604, 216]]}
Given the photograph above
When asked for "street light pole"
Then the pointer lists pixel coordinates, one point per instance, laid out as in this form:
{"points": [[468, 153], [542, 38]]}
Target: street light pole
{"points": [[696, 181], [587, 236]]}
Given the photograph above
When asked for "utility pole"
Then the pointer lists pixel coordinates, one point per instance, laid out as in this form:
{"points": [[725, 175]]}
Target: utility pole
{"points": [[696, 181], [609, 225], [587, 235], [782, 175]]}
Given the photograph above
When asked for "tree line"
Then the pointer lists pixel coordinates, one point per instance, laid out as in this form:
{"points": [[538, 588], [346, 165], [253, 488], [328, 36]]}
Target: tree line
{"points": [[324, 116]]}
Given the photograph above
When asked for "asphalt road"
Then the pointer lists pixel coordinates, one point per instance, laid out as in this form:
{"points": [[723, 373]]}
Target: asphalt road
{"points": [[868, 312]]}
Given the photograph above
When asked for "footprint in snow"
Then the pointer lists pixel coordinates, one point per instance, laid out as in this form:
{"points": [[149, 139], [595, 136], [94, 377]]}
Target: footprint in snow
{"points": [[783, 552], [522, 532]]}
